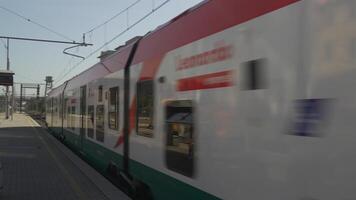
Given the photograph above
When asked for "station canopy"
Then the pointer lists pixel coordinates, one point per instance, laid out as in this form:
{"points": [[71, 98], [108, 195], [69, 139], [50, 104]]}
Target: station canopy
{"points": [[6, 78]]}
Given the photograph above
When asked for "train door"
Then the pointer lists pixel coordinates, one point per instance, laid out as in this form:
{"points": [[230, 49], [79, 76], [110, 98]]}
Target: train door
{"points": [[82, 114]]}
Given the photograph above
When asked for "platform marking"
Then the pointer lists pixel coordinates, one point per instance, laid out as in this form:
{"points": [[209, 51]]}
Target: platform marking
{"points": [[79, 193]]}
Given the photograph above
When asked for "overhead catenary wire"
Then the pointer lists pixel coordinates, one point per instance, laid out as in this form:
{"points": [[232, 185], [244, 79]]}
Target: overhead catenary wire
{"points": [[113, 17], [36, 23], [103, 24], [113, 39]]}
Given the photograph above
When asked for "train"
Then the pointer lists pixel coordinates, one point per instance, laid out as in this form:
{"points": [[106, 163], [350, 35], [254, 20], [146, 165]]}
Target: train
{"points": [[232, 99]]}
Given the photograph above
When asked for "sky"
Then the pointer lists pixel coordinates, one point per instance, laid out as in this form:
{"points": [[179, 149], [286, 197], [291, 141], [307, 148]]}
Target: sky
{"points": [[32, 61]]}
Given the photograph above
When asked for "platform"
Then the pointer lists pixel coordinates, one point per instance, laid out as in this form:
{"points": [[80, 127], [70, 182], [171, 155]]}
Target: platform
{"points": [[36, 166]]}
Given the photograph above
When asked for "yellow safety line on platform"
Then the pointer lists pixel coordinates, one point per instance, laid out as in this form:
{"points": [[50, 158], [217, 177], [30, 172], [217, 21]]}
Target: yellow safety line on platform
{"points": [[72, 182]]}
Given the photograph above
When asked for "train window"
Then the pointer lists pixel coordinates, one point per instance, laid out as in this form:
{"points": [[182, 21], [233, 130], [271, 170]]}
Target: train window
{"points": [[254, 75], [180, 137], [60, 107], [145, 110], [55, 105], [100, 123], [90, 123], [69, 114], [100, 93], [113, 108], [65, 109], [73, 118]]}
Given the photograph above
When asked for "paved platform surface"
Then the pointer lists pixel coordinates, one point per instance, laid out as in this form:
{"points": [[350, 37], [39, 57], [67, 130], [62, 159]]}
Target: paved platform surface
{"points": [[35, 167]]}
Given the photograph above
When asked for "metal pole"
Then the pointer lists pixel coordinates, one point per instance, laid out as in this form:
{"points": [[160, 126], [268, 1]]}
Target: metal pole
{"points": [[37, 91], [13, 102], [37, 99], [21, 99], [7, 103], [8, 54], [7, 87]]}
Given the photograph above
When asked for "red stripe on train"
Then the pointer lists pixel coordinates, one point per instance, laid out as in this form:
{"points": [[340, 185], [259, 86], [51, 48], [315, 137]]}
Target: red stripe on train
{"points": [[148, 71], [209, 18], [208, 81]]}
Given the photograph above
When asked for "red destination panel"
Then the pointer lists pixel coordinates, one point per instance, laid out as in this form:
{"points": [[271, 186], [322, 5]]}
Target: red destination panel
{"points": [[208, 81]]}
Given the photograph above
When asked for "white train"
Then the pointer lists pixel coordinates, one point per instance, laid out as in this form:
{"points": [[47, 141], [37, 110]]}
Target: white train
{"points": [[233, 99]]}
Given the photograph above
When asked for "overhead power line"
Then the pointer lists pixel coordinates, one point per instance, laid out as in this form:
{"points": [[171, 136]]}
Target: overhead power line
{"points": [[113, 17], [113, 39], [99, 26], [36, 23]]}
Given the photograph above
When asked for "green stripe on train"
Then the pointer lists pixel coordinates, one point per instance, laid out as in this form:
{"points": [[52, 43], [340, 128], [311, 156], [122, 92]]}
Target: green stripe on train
{"points": [[161, 185]]}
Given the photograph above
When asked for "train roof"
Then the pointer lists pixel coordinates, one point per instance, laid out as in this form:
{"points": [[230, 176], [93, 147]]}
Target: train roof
{"points": [[99, 70], [110, 64], [193, 24], [207, 18]]}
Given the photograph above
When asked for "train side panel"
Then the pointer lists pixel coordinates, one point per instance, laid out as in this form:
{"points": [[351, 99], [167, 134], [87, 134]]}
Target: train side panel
{"points": [[259, 110], [326, 159], [238, 144]]}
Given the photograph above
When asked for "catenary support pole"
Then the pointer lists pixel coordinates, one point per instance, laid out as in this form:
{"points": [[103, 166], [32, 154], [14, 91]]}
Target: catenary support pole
{"points": [[21, 98], [7, 87], [13, 102]]}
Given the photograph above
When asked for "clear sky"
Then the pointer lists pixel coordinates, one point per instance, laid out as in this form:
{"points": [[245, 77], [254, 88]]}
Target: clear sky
{"points": [[33, 61]]}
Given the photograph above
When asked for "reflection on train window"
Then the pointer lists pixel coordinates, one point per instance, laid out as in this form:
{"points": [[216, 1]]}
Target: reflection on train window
{"points": [[180, 137], [60, 108], [144, 120], [113, 108], [65, 109], [100, 93], [100, 123], [48, 106], [69, 115], [55, 106], [254, 74], [73, 118], [90, 121]]}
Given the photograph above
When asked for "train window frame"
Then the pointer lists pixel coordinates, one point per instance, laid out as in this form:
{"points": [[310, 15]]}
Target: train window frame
{"points": [[113, 108], [65, 114], [143, 92], [91, 116], [72, 120], [97, 123], [100, 93], [180, 146], [55, 106], [69, 115], [60, 108]]}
